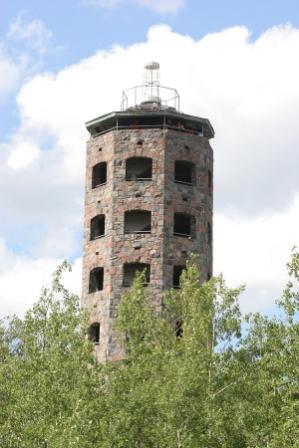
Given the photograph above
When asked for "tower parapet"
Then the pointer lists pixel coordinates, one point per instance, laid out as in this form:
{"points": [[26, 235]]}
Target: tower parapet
{"points": [[148, 205]]}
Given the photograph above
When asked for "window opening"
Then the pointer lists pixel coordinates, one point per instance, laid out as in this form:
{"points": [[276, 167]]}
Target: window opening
{"points": [[96, 280], [94, 333], [184, 172], [183, 224], [177, 271], [99, 174], [97, 227], [130, 270], [209, 234], [200, 131], [139, 168], [210, 179], [137, 221], [179, 328]]}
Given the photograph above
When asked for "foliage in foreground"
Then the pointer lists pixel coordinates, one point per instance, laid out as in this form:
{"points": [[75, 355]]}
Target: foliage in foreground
{"points": [[190, 379]]}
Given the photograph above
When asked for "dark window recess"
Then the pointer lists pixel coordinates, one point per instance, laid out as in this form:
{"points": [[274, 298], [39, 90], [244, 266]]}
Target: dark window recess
{"points": [[137, 221], [209, 234], [183, 225], [130, 270], [184, 172], [99, 174], [210, 179], [209, 276], [139, 168], [178, 328], [94, 332], [177, 271], [96, 280], [97, 227]]}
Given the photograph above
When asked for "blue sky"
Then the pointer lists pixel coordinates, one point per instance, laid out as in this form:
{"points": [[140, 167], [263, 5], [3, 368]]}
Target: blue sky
{"points": [[81, 29], [64, 62]]}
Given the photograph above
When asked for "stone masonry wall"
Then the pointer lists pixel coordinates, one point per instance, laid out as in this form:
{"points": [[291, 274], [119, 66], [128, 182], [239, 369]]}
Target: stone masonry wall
{"points": [[195, 200], [97, 253], [137, 195], [163, 197]]}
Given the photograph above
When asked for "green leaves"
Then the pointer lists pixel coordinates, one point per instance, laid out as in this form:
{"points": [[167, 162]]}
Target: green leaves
{"points": [[45, 370], [210, 387], [190, 378]]}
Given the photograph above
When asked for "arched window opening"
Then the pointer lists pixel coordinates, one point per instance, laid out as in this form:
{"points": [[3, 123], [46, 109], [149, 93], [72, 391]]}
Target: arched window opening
{"points": [[96, 280], [179, 328], [210, 179], [184, 172], [130, 270], [209, 234], [94, 333], [177, 271], [97, 227], [183, 225], [139, 168], [99, 174], [137, 221]]}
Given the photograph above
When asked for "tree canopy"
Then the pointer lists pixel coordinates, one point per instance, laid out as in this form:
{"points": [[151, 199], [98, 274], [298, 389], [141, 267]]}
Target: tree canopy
{"points": [[197, 374]]}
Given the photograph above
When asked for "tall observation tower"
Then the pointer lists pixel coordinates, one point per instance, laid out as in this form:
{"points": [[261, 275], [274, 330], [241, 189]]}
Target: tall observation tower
{"points": [[148, 202]]}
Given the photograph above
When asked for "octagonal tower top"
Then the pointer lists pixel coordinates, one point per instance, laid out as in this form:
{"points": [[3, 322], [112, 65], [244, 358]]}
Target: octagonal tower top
{"points": [[150, 105], [151, 95]]}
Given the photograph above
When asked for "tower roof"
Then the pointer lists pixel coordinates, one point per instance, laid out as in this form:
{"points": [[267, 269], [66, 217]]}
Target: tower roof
{"points": [[140, 119]]}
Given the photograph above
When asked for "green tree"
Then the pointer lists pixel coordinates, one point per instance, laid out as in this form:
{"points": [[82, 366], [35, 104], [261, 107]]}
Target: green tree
{"points": [[48, 374], [171, 386], [268, 360], [190, 378], [206, 386]]}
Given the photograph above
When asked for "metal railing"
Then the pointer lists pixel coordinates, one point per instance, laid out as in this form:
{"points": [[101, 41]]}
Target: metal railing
{"points": [[138, 178], [135, 96], [140, 232], [149, 126]]}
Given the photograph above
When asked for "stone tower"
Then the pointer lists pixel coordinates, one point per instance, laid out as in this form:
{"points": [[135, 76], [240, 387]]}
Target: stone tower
{"points": [[148, 202]]}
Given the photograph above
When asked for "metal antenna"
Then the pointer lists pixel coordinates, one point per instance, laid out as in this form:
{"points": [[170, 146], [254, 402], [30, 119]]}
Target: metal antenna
{"points": [[150, 95], [152, 81]]}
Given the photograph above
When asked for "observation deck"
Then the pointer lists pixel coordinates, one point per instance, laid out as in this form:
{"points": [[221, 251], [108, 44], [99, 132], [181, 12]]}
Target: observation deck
{"points": [[146, 118]]}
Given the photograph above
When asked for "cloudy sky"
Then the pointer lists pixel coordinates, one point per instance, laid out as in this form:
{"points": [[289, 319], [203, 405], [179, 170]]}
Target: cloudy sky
{"points": [[66, 61]]}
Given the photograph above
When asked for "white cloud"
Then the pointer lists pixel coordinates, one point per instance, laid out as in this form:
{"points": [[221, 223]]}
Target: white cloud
{"points": [[9, 76], [102, 3], [255, 251], [72, 280], [23, 154], [248, 89], [21, 52], [33, 33], [160, 6], [163, 6], [22, 279]]}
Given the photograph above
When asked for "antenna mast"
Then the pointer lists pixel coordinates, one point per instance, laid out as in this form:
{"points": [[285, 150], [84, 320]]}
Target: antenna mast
{"points": [[150, 95], [152, 82]]}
